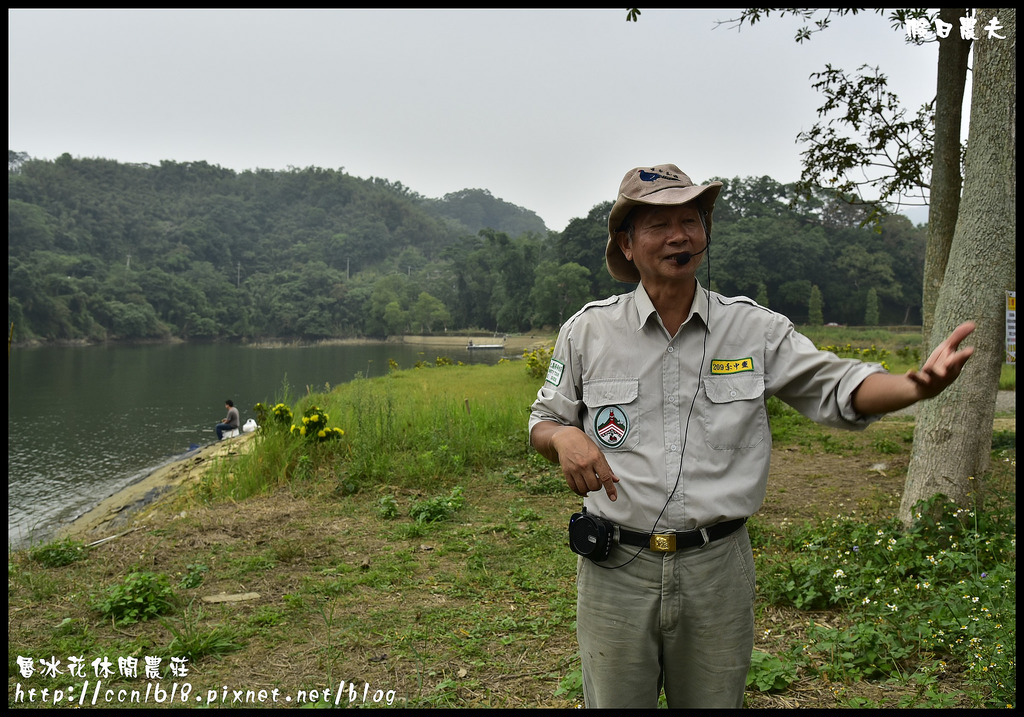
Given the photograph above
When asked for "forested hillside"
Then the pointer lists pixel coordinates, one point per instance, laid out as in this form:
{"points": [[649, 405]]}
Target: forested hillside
{"points": [[99, 250]]}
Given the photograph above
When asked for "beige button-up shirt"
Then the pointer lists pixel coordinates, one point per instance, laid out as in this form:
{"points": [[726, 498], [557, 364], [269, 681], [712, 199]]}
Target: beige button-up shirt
{"points": [[681, 419]]}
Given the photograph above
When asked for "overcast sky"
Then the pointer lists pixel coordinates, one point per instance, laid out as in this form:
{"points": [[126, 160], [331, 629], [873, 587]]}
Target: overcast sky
{"points": [[546, 109]]}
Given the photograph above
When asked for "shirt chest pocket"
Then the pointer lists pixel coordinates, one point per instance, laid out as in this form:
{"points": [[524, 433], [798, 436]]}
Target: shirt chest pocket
{"points": [[612, 412], [734, 414]]}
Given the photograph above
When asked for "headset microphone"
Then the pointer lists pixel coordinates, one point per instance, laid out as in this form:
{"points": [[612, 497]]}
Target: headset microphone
{"points": [[684, 258]]}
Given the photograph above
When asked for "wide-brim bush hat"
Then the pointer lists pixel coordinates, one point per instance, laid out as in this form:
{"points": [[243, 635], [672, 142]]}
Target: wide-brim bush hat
{"points": [[660, 185]]}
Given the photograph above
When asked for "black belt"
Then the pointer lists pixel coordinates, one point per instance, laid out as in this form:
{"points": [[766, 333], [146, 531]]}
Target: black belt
{"points": [[668, 542]]}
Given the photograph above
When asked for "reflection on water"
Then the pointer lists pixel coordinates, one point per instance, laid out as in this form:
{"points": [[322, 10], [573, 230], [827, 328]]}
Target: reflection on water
{"points": [[85, 422]]}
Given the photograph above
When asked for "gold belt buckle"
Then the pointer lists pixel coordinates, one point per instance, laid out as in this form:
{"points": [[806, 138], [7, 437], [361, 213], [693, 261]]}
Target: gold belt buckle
{"points": [[663, 543]]}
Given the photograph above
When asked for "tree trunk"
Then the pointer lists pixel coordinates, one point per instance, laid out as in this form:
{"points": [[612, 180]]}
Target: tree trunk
{"points": [[944, 194], [953, 434]]}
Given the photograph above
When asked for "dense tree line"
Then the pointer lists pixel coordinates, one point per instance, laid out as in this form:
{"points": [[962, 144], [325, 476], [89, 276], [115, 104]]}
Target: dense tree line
{"points": [[100, 250]]}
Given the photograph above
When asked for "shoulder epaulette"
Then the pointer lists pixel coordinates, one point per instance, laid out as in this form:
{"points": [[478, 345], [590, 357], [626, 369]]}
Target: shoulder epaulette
{"points": [[611, 300], [603, 302], [739, 300]]}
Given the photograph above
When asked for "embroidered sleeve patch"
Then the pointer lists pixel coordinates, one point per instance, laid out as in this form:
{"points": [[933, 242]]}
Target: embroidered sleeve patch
{"points": [[555, 369], [726, 366]]}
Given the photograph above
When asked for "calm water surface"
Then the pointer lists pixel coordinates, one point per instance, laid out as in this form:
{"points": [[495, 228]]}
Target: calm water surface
{"points": [[85, 422]]}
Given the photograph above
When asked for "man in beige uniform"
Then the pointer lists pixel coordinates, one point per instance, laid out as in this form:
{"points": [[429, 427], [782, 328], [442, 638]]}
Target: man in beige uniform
{"points": [[654, 405]]}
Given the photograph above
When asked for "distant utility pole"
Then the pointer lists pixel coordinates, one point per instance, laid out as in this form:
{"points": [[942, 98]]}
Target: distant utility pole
{"points": [[238, 278], [128, 264]]}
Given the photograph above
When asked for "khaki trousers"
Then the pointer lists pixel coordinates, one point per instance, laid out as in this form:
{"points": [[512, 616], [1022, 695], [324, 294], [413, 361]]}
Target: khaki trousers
{"points": [[682, 620]]}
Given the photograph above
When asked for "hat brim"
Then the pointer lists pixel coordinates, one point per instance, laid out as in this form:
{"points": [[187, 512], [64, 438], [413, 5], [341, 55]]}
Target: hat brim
{"points": [[622, 268]]}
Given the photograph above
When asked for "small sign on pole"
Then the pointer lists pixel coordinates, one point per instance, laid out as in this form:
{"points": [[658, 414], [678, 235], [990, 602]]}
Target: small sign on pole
{"points": [[1011, 327]]}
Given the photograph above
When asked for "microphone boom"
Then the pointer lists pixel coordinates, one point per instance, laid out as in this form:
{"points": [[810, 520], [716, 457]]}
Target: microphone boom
{"points": [[683, 258]]}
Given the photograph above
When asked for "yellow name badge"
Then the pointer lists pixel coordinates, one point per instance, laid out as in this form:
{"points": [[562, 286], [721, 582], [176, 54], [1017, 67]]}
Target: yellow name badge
{"points": [[721, 367]]}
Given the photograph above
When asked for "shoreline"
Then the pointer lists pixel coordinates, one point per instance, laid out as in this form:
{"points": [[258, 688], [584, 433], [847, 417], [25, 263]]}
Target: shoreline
{"points": [[512, 342], [118, 512], [516, 344]]}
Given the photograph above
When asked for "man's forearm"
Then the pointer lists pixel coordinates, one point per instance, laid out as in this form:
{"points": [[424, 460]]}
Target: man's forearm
{"points": [[884, 393], [541, 437]]}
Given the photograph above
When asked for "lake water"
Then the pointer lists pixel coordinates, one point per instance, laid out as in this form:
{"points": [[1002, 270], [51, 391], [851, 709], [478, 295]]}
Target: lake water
{"points": [[85, 422]]}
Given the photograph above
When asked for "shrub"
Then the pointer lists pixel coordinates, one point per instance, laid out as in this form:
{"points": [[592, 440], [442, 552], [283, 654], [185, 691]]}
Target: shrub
{"points": [[537, 361], [58, 553], [194, 577], [438, 508], [314, 427], [387, 507], [279, 415], [768, 673], [141, 596]]}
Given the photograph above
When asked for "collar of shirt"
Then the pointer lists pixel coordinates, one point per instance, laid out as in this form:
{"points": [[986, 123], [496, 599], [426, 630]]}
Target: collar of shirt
{"points": [[645, 307]]}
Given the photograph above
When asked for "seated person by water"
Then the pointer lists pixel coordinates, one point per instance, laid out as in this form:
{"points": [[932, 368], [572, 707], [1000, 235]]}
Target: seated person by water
{"points": [[230, 422]]}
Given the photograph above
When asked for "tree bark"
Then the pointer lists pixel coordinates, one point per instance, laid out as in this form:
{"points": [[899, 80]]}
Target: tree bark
{"points": [[944, 194], [953, 435]]}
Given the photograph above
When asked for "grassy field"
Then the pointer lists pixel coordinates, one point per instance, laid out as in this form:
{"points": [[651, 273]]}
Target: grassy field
{"points": [[418, 559]]}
